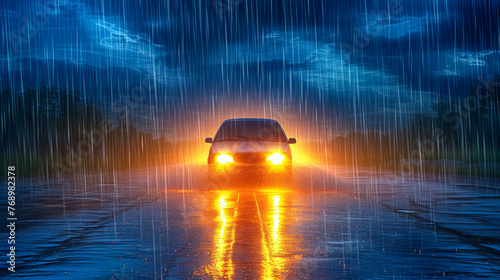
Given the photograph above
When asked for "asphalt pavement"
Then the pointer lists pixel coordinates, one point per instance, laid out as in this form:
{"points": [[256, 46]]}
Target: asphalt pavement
{"points": [[326, 222]]}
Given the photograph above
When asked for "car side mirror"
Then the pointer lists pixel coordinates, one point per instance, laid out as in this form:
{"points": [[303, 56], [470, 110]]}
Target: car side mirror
{"points": [[208, 140], [292, 140]]}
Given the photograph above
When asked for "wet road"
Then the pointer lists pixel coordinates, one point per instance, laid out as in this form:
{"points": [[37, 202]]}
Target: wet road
{"points": [[171, 222]]}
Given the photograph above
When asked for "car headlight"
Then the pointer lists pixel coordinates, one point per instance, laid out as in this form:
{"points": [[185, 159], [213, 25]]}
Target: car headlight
{"points": [[224, 158], [276, 158]]}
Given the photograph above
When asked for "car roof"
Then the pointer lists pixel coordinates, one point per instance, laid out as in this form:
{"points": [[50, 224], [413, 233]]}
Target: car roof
{"points": [[240, 120]]}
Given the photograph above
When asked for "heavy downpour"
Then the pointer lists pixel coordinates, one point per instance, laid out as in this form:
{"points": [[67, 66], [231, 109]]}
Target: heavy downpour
{"points": [[249, 139]]}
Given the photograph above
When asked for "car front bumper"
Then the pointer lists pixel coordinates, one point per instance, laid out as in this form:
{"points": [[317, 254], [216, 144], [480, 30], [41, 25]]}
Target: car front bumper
{"points": [[242, 169]]}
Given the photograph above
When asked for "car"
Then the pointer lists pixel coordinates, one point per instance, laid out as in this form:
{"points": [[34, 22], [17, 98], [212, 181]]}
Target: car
{"points": [[250, 145]]}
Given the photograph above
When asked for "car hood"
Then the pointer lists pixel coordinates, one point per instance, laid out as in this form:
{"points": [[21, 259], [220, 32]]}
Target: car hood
{"points": [[248, 147]]}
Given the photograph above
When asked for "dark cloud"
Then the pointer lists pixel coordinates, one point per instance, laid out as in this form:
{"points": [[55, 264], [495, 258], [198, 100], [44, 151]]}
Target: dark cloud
{"points": [[352, 62]]}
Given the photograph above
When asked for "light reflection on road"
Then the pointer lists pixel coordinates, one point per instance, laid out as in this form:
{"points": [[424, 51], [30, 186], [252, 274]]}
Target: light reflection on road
{"points": [[273, 262], [351, 226], [253, 221], [224, 236]]}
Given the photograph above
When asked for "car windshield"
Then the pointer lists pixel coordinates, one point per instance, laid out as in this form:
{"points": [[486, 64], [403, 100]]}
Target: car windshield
{"points": [[250, 131]]}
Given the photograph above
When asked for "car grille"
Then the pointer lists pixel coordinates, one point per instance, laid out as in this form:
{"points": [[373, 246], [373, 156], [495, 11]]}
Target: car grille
{"points": [[250, 157]]}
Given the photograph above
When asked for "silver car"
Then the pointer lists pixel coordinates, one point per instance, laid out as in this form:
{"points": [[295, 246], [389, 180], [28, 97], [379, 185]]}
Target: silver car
{"points": [[241, 146]]}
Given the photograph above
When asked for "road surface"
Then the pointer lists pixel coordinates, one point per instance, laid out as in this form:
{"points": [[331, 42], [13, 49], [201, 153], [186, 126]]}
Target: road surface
{"points": [[171, 222]]}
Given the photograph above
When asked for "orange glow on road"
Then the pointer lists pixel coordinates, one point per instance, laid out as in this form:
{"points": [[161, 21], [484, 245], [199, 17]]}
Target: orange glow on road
{"points": [[272, 248], [252, 224], [224, 238]]}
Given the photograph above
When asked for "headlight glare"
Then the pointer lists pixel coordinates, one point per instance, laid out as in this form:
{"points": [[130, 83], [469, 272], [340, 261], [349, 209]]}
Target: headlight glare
{"points": [[276, 158], [224, 158]]}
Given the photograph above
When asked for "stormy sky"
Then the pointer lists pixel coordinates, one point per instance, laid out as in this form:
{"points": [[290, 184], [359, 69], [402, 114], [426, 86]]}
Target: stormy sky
{"points": [[331, 66]]}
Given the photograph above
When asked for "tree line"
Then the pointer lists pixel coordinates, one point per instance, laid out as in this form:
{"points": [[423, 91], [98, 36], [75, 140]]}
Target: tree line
{"points": [[52, 130]]}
